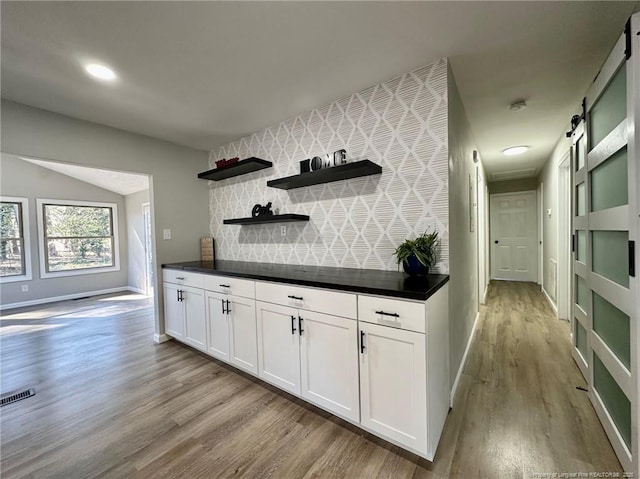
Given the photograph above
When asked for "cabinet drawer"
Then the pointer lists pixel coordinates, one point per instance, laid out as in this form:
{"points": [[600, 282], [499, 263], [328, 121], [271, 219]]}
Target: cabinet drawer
{"points": [[392, 312], [311, 299], [227, 285], [185, 278]]}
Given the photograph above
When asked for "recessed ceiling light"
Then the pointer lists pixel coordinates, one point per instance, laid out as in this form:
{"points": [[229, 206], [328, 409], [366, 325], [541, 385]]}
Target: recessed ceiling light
{"points": [[515, 150], [101, 72]]}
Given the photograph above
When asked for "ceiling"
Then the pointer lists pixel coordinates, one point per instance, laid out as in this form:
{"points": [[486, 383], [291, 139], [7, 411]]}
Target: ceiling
{"points": [[204, 73], [116, 181]]}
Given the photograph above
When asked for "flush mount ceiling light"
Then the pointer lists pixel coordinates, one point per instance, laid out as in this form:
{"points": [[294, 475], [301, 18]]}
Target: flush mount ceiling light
{"points": [[515, 150], [101, 72], [518, 105]]}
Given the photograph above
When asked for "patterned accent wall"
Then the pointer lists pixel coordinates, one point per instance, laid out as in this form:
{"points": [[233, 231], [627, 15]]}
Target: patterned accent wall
{"points": [[400, 124]]}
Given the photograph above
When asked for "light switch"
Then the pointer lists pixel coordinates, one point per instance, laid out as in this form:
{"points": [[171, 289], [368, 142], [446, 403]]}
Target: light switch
{"points": [[166, 234]]}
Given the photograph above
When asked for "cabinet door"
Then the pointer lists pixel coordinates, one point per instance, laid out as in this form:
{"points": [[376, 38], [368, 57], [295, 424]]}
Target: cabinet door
{"points": [[243, 350], [279, 346], [173, 311], [218, 323], [195, 323], [329, 363], [393, 384]]}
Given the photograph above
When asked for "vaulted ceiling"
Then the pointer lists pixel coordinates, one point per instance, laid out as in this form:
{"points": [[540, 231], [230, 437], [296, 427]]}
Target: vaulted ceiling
{"points": [[205, 73]]}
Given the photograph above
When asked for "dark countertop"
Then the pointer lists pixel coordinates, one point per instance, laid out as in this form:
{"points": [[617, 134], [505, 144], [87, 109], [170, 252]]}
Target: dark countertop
{"points": [[369, 281]]}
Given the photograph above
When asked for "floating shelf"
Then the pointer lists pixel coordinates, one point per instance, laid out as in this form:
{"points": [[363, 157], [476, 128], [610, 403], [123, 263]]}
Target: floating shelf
{"points": [[327, 175], [259, 220], [242, 167]]}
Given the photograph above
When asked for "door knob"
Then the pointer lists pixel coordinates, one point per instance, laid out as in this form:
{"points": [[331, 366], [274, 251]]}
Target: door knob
{"points": [[496, 241]]}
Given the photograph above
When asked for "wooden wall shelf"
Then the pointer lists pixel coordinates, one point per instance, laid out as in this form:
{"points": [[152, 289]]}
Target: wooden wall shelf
{"points": [[242, 167], [260, 220], [327, 175]]}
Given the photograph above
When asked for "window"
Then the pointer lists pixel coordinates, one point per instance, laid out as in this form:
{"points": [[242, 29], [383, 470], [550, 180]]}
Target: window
{"points": [[15, 258], [77, 237]]}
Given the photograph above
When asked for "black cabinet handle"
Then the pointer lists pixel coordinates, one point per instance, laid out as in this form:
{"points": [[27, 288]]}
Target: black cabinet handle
{"points": [[300, 330], [293, 324], [299, 298], [222, 303], [178, 295], [395, 315], [228, 308], [224, 285], [362, 348], [181, 278]]}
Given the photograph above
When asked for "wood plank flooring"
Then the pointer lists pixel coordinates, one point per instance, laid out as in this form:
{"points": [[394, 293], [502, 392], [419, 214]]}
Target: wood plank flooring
{"points": [[112, 404]]}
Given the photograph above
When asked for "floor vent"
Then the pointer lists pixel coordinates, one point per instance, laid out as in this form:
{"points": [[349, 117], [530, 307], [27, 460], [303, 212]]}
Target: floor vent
{"points": [[4, 400]]}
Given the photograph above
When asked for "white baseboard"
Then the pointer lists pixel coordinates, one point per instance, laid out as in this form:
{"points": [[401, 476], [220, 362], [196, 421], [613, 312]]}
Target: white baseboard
{"points": [[160, 338], [550, 301], [136, 290], [463, 362], [54, 299]]}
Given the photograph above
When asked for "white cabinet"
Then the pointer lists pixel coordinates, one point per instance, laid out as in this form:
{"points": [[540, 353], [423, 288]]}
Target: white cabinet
{"points": [[404, 369], [377, 361], [279, 346], [310, 354], [393, 384], [195, 322], [243, 351], [329, 363], [218, 322], [173, 311], [184, 312]]}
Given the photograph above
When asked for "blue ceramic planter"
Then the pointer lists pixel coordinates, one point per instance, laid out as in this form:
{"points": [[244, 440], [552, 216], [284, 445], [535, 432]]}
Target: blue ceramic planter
{"points": [[413, 267]]}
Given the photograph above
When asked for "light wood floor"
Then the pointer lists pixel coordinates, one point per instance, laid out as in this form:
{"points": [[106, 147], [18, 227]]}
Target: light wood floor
{"points": [[111, 403]]}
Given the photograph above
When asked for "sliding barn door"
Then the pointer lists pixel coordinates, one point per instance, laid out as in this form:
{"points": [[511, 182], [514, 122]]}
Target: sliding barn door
{"points": [[605, 223]]}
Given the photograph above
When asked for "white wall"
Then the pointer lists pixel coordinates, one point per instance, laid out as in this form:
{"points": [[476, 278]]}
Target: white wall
{"points": [[549, 177], [400, 125], [513, 186], [179, 199], [23, 179], [135, 228], [463, 288]]}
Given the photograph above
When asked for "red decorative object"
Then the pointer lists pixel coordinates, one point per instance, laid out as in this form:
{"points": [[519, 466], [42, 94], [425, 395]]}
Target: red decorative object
{"points": [[224, 162]]}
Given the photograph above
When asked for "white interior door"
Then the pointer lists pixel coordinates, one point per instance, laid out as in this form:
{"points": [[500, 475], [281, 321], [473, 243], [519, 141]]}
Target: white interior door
{"points": [[514, 236], [605, 300]]}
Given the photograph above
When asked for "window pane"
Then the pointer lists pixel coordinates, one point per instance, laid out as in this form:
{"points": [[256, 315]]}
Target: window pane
{"points": [[579, 155], [72, 254], [609, 255], [609, 182], [77, 221], [11, 258], [10, 216], [581, 247], [614, 399], [612, 325], [581, 293], [581, 339], [610, 109], [581, 200]]}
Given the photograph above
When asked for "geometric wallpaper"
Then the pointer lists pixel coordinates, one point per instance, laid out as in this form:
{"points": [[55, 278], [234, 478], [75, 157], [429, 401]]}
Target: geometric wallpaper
{"points": [[400, 125]]}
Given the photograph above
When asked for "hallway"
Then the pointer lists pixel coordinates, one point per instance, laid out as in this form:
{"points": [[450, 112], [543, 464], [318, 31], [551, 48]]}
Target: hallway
{"points": [[518, 412], [111, 403]]}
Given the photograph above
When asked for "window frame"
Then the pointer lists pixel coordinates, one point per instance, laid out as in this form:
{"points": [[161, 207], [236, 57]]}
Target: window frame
{"points": [[26, 239], [41, 202]]}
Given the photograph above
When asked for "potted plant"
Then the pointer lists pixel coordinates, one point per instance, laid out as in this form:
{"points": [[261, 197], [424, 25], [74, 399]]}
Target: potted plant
{"points": [[418, 255]]}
